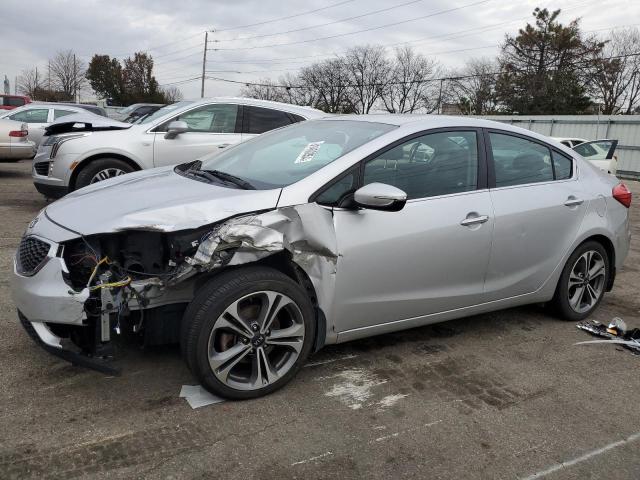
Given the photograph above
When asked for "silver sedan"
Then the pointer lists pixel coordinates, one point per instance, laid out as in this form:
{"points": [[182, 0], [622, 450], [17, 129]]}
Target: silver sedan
{"points": [[321, 232], [14, 144]]}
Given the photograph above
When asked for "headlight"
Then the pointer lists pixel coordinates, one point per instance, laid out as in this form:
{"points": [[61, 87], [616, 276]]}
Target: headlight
{"points": [[56, 140]]}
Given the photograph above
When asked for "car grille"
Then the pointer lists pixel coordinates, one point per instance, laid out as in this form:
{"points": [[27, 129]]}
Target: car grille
{"points": [[42, 168], [32, 252]]}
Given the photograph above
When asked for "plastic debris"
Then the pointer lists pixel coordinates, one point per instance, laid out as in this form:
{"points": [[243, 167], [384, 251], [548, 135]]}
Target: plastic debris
{"points": [[198, 397], [616, 333]]}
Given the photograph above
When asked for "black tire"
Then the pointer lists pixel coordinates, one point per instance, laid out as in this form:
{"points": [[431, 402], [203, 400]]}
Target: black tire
{"points": [[209, 303], [93, 167], [560, 302]]}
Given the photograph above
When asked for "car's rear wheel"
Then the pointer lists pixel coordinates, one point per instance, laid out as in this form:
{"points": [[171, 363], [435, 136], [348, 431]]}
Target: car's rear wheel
{"points": [[247, 332], [583, 282], [101, 169]]}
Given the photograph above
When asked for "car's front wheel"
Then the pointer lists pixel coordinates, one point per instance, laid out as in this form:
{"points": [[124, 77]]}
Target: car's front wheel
{"points": [[247, 332], [101, 169], [583, 282]]}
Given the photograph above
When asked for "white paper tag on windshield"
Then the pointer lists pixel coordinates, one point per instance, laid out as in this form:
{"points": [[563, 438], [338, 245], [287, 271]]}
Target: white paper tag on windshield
{"points": [[308, 152]]}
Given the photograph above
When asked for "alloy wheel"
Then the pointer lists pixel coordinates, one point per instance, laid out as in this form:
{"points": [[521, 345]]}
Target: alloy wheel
{"points": [[106, 174], [586, 281], [256, 340]]}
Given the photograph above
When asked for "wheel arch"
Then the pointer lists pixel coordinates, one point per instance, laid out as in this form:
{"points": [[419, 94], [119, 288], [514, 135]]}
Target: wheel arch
{"points": [[611, 253], [283, 263], [84, 162]]}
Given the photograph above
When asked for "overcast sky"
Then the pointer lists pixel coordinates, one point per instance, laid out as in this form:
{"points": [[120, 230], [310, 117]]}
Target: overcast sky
{"points": [[172, 32]]}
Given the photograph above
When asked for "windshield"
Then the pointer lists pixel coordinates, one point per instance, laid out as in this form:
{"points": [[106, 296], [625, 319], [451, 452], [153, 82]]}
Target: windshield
{"points": [[287, 155], [164, 111]]}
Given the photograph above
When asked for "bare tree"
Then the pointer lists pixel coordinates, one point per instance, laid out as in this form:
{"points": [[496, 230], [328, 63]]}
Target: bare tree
{"points": [[411, 86], [30, 83], [67, 74], [473, 88], [616, 78], [265, 89], [368, 73], [172, 94], [328, 83]]}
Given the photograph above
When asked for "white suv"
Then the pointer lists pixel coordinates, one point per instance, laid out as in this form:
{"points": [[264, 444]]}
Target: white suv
{"points": [[83, 149]]}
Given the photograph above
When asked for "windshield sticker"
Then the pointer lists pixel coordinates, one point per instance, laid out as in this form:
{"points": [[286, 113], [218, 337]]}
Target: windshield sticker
{"points": [[308, 152]]}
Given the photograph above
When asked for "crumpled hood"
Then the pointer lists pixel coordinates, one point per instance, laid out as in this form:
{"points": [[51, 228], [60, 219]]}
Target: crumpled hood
{"points": [[84, 122], [157, 199]]}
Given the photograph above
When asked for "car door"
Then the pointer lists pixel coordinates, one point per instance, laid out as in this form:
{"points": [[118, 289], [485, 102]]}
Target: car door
{"points": [[211, 128], [432, 255], [600, 153], [257, 120], [538, 206], [36, 118]]}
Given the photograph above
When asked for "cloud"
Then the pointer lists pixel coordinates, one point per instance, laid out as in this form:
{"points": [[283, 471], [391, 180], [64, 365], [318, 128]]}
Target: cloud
{"points": [[173, 32]]}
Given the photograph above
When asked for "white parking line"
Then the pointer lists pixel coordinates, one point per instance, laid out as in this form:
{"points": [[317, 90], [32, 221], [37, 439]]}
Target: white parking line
{"points": [[397, 434], [331, 360], [582, 458], [318, 457]]}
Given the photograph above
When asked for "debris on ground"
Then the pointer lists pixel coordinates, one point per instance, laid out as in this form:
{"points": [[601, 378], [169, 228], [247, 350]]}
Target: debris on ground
{"points": [[198, 397], [616, 333]]}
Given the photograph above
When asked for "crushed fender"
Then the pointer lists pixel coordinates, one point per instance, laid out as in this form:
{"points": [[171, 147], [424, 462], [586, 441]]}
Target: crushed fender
{"points": [[305, 231]]}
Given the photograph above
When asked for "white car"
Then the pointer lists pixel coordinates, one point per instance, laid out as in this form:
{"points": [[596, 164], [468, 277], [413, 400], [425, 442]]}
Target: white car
{"points": [[598, 152], [39, 115], [83, 149]]}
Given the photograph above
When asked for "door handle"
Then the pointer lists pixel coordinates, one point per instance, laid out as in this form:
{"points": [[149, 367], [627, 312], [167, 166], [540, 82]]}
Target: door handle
{"points": [[573, 201], [222, 145], [474, 220]]}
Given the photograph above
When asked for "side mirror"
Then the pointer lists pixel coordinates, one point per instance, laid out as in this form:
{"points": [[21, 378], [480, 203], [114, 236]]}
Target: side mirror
{"points": [[176, 128], [380, 196]]}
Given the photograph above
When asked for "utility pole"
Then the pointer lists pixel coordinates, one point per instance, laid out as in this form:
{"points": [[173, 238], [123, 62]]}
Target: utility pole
{"points": [[49, 80], [75, 80], [440, 97], [204, 62]]}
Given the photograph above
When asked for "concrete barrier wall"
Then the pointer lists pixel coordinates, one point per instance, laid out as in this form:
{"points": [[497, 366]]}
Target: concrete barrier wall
{"points": [[624, 128]]}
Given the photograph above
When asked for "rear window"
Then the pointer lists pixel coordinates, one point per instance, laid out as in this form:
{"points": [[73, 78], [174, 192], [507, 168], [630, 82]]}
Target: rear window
{"points": [[13, 101], [260, 120]]}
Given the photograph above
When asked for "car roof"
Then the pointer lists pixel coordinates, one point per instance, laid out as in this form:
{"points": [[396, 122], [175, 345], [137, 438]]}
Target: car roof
{"points": [[572, 139], [307, 112]]}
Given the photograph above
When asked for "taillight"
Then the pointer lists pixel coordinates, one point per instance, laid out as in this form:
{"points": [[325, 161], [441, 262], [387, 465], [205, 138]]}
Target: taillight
{"points": [[622, 194], [18, 133]]}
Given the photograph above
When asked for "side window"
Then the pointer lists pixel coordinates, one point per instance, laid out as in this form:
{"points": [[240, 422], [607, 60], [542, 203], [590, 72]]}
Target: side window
{"points": [[260, 120], [217, 118], [562, 166], [430, 165], [333, 194], [57, 113], [14, 101], [297, 118], [33, 115], [518, 161]]}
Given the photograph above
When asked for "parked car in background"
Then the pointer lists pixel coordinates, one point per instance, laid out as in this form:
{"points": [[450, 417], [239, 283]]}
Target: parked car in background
{"points": [[599, 152], [14, 144], [136, 111], [321, 232], [39, 115], [9, 102], [73, 157]]}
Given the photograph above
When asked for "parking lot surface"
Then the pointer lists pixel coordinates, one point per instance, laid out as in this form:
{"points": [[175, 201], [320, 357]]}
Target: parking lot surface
{"points": [[502, 395]]}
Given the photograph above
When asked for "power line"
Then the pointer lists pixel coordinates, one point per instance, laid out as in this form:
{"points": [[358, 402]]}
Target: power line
{"points": [[442, 12], [285, 18], [321, 24], [380, 84]]}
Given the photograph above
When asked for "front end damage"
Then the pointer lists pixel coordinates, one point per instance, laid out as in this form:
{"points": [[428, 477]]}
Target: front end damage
{"points": [[138, 282]]}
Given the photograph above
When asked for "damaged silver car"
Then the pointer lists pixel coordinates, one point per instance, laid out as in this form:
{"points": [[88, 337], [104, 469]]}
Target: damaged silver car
{"points": [[320, 232]]}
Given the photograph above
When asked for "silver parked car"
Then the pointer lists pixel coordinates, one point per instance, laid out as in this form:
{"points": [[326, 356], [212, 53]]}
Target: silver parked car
{"points": [[40, 115], [321, 232], [14, 144], [80, 151]]}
